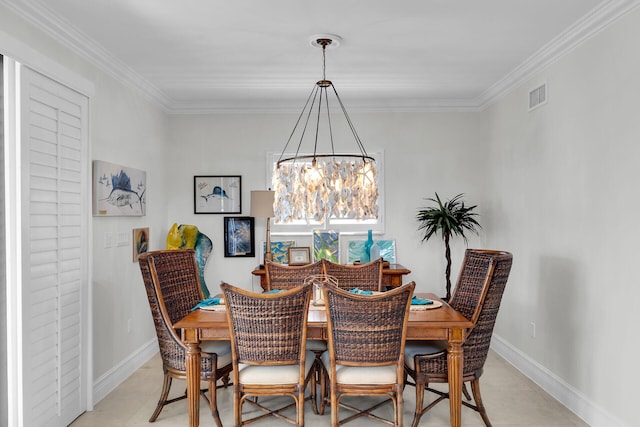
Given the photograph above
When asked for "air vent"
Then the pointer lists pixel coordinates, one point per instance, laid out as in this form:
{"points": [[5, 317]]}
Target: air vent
{"points": [[538, 96]]}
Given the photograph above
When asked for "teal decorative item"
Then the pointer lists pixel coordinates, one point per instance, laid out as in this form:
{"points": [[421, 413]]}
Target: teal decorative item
{"points": [[366, 252], [374, 252], [387, 250]]}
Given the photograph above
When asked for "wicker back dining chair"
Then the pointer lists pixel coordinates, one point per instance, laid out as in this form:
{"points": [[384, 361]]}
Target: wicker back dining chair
{"points": [[282, 276], [172, 283], [268, 340], [367, 277], [366, 349], [477, 296]]}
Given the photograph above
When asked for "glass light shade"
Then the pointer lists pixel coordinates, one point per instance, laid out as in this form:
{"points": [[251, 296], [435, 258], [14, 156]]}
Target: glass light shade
{"points": [[333, 188]]}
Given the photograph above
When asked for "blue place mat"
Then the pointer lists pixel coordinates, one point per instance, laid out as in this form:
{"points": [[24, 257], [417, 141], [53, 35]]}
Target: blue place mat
{"points": [[359, 291], [207, 302], [420, 301]]}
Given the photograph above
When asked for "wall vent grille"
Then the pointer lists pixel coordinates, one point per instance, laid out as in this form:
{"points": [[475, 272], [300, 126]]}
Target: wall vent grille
{"points": [[538, 96]]}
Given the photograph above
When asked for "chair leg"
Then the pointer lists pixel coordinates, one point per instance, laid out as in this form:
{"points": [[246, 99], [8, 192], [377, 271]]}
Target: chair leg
{"points": [[213, 402], [324, 389], [226, 380], [475, 389], [465, 391], [419, 403], [334, 410], [311, 382], [166, 386], [237, 405], [300, 405], [399, 404]]}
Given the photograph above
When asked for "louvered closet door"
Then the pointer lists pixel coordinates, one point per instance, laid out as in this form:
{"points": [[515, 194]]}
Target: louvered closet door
{"points": [[54, 144]]}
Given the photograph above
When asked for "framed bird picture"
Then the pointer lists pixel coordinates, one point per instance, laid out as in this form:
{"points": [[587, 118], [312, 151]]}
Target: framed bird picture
{"points": [[217, 194]]}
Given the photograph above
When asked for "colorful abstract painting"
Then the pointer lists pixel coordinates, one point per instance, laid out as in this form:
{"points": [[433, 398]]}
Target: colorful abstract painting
{"points": [[387, 250], [279, 251], [326, 244], [118, 190]]}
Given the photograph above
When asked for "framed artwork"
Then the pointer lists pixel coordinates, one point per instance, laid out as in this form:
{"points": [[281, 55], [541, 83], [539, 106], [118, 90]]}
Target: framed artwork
{"points": [[299, 256], [279, 251], [217, 194], [387, 250], [239, 240], [140, 242], [118, 190], [326, 244]]}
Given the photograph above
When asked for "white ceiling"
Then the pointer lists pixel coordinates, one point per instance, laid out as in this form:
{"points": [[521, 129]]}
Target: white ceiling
{"points": [[255, 55]]}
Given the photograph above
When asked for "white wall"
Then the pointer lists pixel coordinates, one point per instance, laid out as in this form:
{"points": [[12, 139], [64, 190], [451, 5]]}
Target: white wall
{"points": [[564, 199], [124, 129], [424, 153], [557, 187]]}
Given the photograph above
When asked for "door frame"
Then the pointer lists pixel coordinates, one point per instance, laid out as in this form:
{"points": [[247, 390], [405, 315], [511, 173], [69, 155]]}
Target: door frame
{"points": [[16, 52]]}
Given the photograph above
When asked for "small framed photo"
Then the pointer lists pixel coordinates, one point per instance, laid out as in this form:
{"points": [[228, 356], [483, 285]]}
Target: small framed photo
{"points": [[239, 239], [299, 256], [140, 242], [217, 194]]}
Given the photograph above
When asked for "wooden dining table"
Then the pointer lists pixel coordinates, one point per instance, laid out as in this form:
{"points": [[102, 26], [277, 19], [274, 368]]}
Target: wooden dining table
{"points": [[443, 323]]}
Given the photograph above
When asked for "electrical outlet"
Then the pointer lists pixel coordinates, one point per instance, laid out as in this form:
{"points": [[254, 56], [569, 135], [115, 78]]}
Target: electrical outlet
{"points": [[533, 329], [108, 239], [123, 238], [129, 326]]}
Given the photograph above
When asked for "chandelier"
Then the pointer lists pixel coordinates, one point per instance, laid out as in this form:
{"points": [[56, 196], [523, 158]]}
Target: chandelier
{"points": [[313, 185]]}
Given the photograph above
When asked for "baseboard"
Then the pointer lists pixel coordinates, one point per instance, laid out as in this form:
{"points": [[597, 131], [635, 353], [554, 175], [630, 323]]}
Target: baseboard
{"points": [[573, 399], [114, 377]]}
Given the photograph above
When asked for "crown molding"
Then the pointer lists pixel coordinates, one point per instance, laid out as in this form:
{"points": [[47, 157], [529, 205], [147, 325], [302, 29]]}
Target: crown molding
{"points": [[587, 27], [38, 14], [385, 106]]}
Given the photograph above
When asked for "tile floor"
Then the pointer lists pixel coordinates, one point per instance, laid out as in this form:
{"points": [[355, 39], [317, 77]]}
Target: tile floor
{"points": [[511, 400]]}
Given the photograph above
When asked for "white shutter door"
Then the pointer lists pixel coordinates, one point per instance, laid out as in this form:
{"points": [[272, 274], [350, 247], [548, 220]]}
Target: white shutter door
{"points": [[54, 146]]}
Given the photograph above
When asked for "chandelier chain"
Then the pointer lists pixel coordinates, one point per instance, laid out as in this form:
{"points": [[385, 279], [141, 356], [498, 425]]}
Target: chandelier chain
{"points": [[324, 61]]}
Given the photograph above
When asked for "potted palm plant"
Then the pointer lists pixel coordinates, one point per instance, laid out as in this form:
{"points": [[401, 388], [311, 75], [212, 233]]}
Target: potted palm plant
{"points": [[451, 218]]}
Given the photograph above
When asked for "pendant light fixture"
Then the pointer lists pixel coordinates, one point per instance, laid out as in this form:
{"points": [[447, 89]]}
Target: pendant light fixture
{"points": [[313, 185]]}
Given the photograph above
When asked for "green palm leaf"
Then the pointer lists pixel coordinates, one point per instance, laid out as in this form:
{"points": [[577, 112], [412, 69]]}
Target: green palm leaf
{"points": [[451, 218]]}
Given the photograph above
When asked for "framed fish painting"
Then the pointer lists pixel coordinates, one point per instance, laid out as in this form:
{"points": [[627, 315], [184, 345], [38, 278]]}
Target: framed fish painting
{"points": [[217, 194], [118, 190]]}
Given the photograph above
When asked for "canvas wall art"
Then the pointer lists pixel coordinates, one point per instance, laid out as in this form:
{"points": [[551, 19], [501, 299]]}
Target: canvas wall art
{"points": [[387, 250], [326, 244], [279, 251], [118, 190]]}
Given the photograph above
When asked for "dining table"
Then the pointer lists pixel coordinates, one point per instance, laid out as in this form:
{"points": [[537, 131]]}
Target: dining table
{"points": [[440, 323]]}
